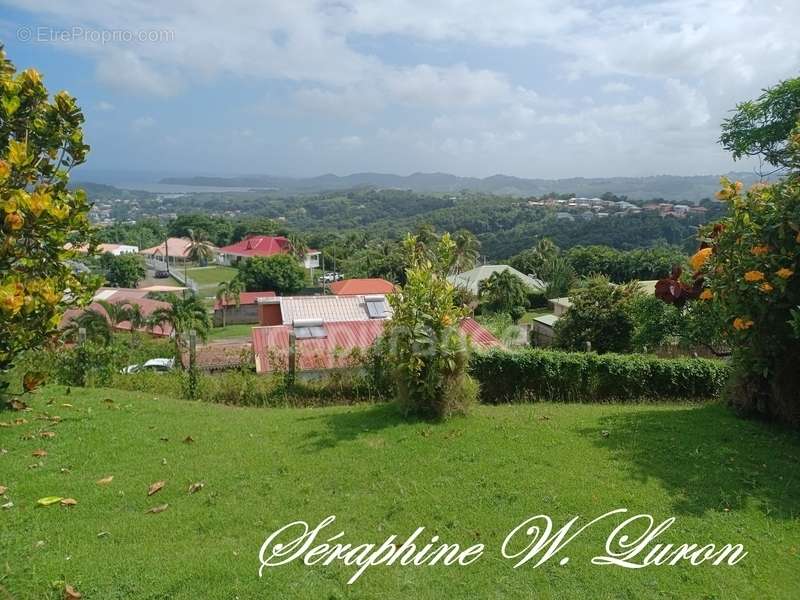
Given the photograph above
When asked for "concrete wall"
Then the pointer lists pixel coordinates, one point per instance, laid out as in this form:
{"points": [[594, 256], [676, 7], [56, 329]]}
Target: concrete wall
{"points": [[246, 313]]}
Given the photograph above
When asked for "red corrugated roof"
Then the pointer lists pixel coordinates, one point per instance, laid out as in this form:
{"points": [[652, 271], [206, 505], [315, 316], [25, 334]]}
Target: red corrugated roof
{"points": [[259, 245], [271, 344], [245, 298], [361, 286]]}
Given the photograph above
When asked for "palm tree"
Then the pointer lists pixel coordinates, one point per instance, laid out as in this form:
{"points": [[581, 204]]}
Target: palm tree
{"points": [[228, 292], [94, 323], [199, 249], [135, 317], [298, 245], [466, 251], [559, 275], [504, 292], [116, 312], [183, 315]]}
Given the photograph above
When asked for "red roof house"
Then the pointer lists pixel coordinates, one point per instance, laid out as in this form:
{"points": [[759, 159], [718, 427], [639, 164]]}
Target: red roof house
{"points": [[263, 245], [352, 287], [322, 346]]}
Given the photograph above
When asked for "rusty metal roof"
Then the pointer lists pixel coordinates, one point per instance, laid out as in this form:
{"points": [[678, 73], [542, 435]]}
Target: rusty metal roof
{"points": [[336, 350]]}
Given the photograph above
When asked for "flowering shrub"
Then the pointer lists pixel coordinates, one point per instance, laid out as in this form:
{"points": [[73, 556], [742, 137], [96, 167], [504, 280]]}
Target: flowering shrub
{"points": [[748, 266]]}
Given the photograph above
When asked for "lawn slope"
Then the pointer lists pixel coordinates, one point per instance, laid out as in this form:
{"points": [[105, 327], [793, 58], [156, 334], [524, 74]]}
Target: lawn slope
{"points": [[470, 480]]}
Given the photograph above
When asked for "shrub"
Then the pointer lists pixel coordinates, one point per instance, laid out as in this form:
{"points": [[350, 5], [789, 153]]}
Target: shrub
{"points": [[536, 374]]}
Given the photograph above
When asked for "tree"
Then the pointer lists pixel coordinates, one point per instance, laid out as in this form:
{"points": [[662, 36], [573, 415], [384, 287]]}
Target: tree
{"points": [[183, 315], [199, 249], [299, 245], [762, 127], [426, 351], [559, 276], [504, 292], [228, 292], [600, 314], [281, 274], [125, 270], [466, 251], [41, 140]]}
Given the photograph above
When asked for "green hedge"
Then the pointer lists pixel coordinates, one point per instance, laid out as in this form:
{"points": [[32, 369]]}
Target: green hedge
{"points": [[537, 374]]}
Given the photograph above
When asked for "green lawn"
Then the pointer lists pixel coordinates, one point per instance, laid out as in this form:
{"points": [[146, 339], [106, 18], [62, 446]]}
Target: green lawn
{"points": [[207, 278], [231, 332], [469, 480]]}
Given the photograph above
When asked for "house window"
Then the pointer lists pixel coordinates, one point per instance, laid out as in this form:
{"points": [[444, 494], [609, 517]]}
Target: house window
{"points": [[376, 307]]}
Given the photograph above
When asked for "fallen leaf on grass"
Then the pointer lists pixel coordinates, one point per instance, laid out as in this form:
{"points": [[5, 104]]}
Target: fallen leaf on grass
{"points": [[196, 487], [3, 490], [67, 405], [188, 440], [7, 505], [155, 487], [48, 500], [5, 424], [68, 502], [20, 421], [104, 534], [158, 509], [48, 434], [105, 480], [39, 453], [70, 593], [16, 404], [32, 380]]}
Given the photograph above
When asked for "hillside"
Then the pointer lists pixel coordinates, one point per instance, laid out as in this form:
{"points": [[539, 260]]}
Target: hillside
{"points": [[669, 187]]}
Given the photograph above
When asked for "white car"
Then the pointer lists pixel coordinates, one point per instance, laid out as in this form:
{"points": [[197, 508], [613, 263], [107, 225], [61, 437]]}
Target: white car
{"points": [[330, 277], [154, 365]]}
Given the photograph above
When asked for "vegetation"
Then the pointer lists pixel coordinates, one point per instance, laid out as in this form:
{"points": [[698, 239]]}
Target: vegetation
{"points": [[600, 315], [184, 315], [427, 354], [504, 292], [125, 270], [41, 140], [717, 475], [623, 266], [228, 292], [535, 374], [762, 127], [281, 274]]}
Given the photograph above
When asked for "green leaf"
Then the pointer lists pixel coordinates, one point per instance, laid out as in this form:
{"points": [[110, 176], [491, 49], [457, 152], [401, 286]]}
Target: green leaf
{"points": [[48, 500]]}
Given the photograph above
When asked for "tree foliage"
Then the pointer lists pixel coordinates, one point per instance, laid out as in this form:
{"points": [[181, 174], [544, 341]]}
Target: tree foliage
{"points": [[41, 140], [762, 127], [600, 314], [125, 270], [504, 292], [281, 274], [427, 353]]}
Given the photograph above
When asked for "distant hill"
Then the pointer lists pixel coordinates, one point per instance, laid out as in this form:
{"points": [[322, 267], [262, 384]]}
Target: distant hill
{"points": [[669, 187]]}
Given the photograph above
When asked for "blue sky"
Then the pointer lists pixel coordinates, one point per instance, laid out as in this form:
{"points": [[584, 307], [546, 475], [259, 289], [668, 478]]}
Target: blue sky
{"points": [[533, 88]]}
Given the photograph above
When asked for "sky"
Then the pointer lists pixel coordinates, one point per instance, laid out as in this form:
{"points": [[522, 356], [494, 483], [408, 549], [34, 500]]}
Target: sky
{"points": [[532, 88]]}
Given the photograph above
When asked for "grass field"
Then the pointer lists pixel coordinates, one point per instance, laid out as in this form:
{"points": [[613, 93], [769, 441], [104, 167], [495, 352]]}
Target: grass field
{"points": [[207, 278], [231, 332], [469, 480]]}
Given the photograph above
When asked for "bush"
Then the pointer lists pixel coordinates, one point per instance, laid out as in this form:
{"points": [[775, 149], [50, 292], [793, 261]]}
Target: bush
{"points": [[536, 374]]}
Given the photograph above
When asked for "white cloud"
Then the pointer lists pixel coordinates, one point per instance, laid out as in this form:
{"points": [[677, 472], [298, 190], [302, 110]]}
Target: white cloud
{"points": [[142, 123], [616, 87], [105, 106]]}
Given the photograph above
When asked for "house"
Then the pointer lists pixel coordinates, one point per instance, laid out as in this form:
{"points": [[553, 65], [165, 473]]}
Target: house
{"points": [[564, 216], [321, 345], [351, 287], [115, 249], [122, 296], [285, 310], [263, 246], [173, 250], [245, 312], [471, 280], [560, 305], [543, 330]]}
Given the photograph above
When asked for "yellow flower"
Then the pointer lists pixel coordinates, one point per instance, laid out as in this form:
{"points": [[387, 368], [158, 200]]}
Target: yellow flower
{"points": [[39, 202], [14, 221], [11, 297], [759, 250], [699, 259], [5, 170], [766, 287], [706, 295], [742, 324], [753, 276], [784, 273]]}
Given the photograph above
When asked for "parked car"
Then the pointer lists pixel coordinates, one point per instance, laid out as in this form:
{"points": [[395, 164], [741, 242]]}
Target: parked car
{"points": [[330, 277], [154, 365], [162, 274]]}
